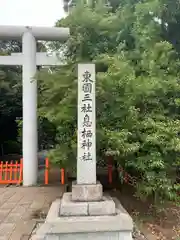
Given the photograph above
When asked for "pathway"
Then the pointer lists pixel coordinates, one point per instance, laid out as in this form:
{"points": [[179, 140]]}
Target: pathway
{"points": [[20, 207]]}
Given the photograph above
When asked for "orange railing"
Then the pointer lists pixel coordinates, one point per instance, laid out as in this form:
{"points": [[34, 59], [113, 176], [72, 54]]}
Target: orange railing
{"points": [[62, 176], [126, 177], [46, 172], [11, 173]]}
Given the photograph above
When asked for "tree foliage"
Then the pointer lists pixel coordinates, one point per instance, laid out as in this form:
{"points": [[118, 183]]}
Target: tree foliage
{"points": [[137, 91], [10, 99], [11, 104], [46, 133]]}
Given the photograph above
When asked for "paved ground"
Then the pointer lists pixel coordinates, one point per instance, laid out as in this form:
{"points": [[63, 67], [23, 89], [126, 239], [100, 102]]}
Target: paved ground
{"points": [[21, 208]]}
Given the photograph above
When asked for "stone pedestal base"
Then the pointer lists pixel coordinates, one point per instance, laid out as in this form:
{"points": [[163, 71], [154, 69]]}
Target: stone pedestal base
{"points": [[86, 214], [108, 227], [87, 192], [70, 208]]}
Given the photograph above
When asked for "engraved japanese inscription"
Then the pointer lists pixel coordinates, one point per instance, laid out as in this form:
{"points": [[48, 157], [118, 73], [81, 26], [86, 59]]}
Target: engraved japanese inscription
{"points": [[86, 155]]}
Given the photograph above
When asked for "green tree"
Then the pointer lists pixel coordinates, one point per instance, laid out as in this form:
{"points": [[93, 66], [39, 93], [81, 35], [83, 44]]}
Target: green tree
{"points": [[137, 92], [69, 4], [10, 99]]}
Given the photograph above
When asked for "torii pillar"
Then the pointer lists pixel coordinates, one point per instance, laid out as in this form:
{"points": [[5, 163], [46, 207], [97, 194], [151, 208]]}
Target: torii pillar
{"points": [[30, 59]]}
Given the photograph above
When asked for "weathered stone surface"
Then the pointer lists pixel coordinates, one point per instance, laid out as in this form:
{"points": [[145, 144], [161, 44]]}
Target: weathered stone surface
{"points": [[114, 227], [120, 221], [70, 208], [104, 207], [90, 236], [87, 193], [55, 210], [51, 237]]}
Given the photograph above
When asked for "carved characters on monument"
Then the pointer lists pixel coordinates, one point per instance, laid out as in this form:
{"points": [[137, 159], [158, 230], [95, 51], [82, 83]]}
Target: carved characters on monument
{"points": [[86, 142], [87, 157], [86, 121], [86, 108]]}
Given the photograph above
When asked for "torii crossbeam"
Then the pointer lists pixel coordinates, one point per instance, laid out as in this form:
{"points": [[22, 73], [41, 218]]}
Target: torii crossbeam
{"points": [[30, 59]]}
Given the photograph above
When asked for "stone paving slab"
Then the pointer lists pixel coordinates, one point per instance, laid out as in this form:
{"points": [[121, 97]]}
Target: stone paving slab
{"points": [[20, 208]]}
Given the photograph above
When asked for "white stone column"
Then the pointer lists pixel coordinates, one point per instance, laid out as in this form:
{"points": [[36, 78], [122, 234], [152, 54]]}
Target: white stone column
{"points": [[30, 164], [86, 155]]}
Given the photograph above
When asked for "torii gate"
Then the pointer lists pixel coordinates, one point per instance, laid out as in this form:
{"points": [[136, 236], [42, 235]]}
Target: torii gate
{"points": [[30, 59]]}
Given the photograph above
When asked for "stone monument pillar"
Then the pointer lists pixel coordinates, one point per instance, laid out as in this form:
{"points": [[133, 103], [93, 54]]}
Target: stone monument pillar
{"points": [[86, 213], [86, 188], [86, 142]]}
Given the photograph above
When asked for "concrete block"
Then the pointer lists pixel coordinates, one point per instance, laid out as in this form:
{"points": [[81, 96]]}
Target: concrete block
{"points": [[104, 207], [70, 208], [87, 193]]}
